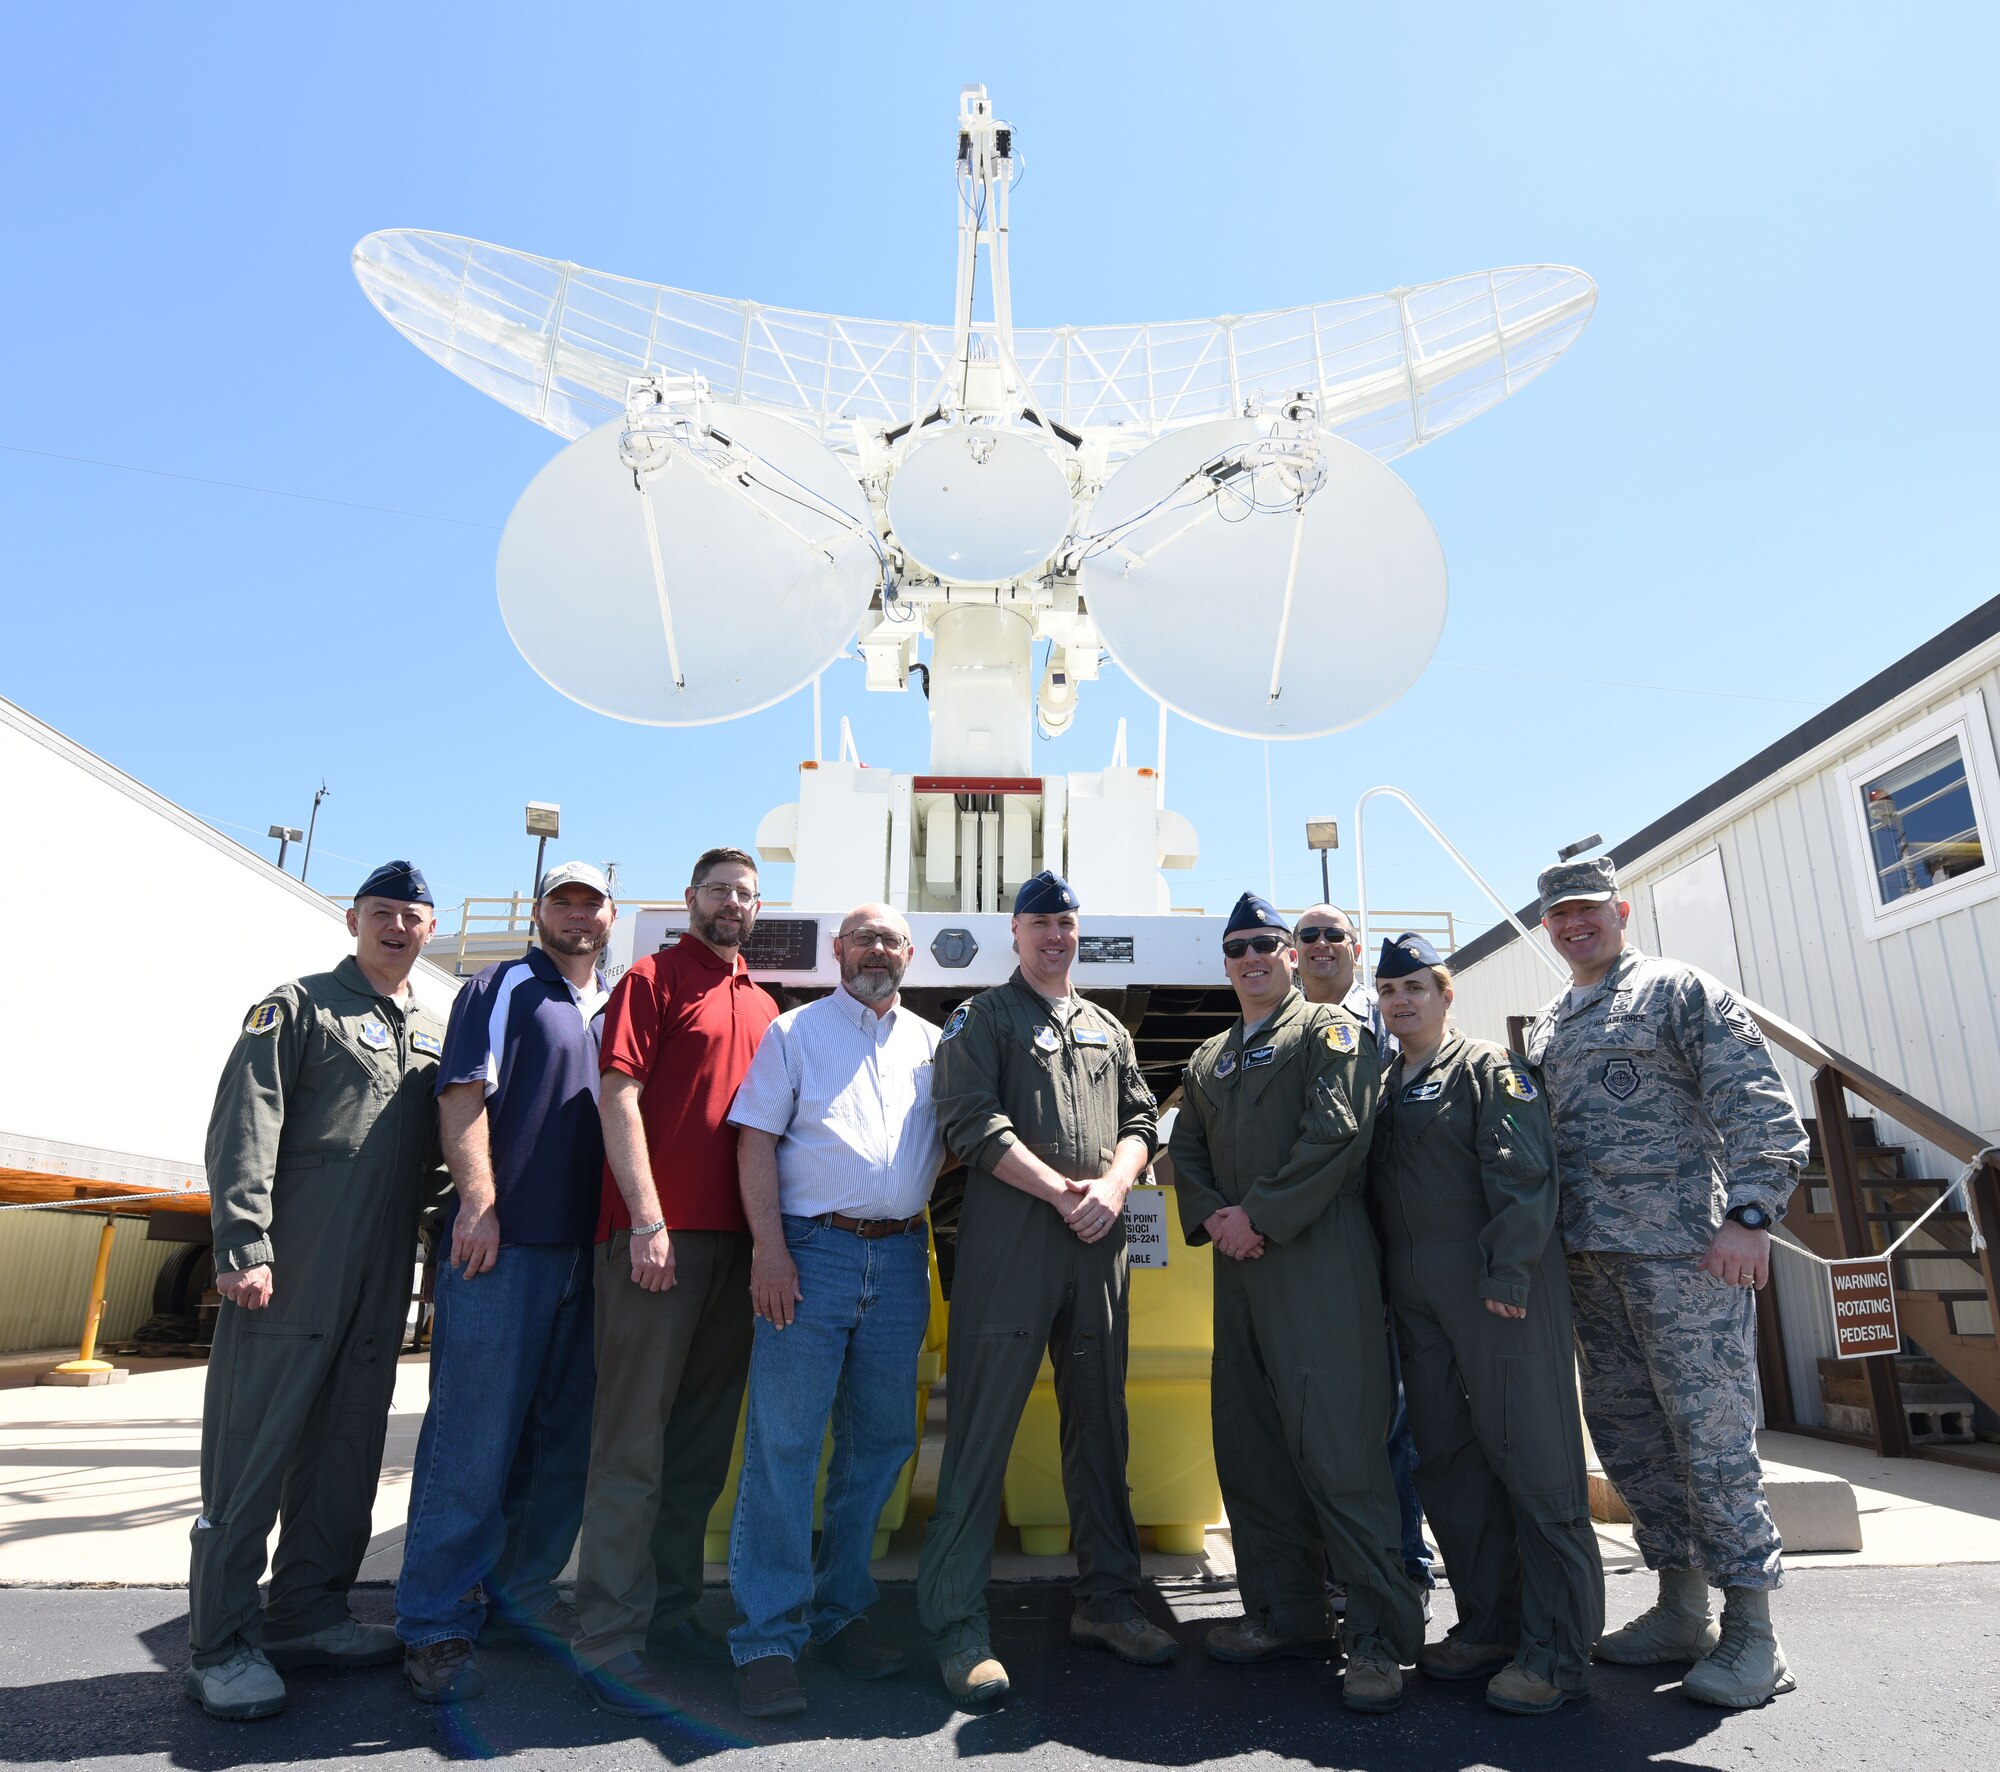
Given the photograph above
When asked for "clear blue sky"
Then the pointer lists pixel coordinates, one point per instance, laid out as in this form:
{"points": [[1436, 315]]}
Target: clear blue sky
{"points": [[1765, 471]]}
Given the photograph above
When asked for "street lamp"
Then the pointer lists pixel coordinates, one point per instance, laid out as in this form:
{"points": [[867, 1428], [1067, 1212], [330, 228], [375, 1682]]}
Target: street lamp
{"points": [[312, 824], [286, 838], [544, 822], [1323, 834]]}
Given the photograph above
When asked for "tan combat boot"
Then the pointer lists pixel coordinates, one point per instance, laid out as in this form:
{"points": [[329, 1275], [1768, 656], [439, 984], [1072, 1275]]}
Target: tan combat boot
{"points": [[974, 1675], [1747, 1666], [1676, 1627], [1523, 1693], [1373, 1683], [1459, 1658]]}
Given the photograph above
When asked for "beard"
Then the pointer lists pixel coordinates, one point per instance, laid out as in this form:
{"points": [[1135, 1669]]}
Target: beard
{"points": [[564, 943], [872, 984], [710, 929]]}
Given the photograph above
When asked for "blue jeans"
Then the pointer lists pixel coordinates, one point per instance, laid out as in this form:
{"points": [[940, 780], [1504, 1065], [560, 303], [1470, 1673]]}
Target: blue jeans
{"points": [[1403, 1467], [497, 1492], [850, 1353]]}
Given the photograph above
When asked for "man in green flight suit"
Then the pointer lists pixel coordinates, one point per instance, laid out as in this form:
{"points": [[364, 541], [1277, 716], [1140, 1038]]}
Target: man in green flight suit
{"points": [[1038, 1093], [323, 1138], [1269, 1150]]}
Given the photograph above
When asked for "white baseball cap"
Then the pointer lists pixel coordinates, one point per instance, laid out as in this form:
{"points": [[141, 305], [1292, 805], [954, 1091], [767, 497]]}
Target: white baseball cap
{"points": [[575, 873]]}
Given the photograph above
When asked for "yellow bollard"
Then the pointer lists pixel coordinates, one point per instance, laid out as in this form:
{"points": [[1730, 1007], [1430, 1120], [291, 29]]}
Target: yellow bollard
{"points": [[87, 1368]]}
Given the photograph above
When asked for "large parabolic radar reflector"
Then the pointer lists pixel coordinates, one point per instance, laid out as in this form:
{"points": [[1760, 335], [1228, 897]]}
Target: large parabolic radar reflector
{"points": [[830, 482]]}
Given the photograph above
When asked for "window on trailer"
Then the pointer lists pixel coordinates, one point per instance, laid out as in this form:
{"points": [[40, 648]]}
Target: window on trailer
{"points": [[1922, 826]]}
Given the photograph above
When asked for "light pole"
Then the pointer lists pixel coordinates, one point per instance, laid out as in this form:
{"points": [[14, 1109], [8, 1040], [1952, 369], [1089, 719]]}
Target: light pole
{"points": [[544, 822], [1323, 834], [312, 824], [286, 838]]}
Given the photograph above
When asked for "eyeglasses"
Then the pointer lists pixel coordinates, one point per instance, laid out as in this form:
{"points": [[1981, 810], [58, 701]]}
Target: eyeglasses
{"points": [[718, 893], [1325, 932], [872, 938], [1260, 944]]}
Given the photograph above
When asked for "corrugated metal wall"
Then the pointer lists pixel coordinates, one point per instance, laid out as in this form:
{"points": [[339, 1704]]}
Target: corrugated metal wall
{"points": [[1918, 1006], [46, 1260]]}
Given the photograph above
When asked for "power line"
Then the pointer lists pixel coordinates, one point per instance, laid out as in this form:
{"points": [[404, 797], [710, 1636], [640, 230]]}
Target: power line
{"points": [[345, 504]]}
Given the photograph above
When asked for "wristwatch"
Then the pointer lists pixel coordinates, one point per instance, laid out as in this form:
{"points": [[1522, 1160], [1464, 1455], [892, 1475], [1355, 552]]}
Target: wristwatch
{"points": [[1751, 1218], [649, 1230]]}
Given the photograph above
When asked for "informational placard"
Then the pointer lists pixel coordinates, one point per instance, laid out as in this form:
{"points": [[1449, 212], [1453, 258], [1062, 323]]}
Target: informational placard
{"points": [[1864, 1307], [1104, 950], [1146, 1227]]}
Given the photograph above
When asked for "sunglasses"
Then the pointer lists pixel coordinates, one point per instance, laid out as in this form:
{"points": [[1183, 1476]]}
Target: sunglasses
{"points": [[1322, 932], [1258, 944]]}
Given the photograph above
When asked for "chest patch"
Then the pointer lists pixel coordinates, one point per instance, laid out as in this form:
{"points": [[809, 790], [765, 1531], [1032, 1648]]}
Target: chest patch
{"points": [[430, 1043], [1427, 1091], [1263, 1055], [374, 1034], [1045, 1039], [1342, 1038], [1090, 1036], [1225, 1066], [957, 1021], [1517, 1085], [264, 1019], [1621, 1077]]}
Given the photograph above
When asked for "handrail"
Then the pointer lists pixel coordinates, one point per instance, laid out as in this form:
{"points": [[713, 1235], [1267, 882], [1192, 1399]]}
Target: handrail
{"points": [[1905, 1109]]}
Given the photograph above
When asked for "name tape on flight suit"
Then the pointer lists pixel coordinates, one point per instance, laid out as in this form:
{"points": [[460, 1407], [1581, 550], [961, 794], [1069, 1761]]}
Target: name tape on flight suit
{"points": [[422, 1042]]}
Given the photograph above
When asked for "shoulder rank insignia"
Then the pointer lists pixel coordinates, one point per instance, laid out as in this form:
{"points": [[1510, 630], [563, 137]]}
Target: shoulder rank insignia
{"points": [[953, 1025], [421, 1042], [1225, 1066], [1045, 1039], [264, 1019], [1516, 1084], [374, 1034], [1340, 1037]]}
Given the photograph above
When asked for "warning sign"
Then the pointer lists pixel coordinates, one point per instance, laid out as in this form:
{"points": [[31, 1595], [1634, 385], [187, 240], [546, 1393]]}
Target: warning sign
{"points": [[1146, 1227], [1864, 1307]]}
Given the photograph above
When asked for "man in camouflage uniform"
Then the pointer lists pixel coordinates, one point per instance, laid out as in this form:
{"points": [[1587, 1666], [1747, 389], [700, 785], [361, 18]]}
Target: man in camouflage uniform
{"points": [[323, 1139], [1678, 1146]]}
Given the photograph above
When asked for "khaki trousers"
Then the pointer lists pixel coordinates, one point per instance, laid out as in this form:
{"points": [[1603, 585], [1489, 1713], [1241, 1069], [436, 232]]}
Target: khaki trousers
{"points": [[670, 1371]]}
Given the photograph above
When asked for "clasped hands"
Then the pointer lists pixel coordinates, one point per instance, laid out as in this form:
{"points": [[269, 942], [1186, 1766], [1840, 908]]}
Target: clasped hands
{"points": [[1091, 1208], [1230, 1230]]}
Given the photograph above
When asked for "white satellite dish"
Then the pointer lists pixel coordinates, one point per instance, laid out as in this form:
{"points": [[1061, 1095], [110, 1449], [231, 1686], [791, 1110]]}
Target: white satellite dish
{"points": [[746, 579], [1264, 578], [977, 505]]}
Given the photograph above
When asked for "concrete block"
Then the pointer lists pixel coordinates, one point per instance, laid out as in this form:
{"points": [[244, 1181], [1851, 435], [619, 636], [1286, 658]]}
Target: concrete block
{"points": [[1814, 1512], [117, 1375]]}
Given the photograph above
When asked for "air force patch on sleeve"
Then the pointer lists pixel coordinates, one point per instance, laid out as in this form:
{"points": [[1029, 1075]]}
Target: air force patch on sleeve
{"points": [[1517, 1085], [264, 1019], [952, 1026], [1342, 1038]]}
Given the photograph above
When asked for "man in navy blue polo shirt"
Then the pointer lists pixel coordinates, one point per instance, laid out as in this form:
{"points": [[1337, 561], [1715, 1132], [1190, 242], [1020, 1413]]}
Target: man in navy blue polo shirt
{"points": [[497, 1493]]}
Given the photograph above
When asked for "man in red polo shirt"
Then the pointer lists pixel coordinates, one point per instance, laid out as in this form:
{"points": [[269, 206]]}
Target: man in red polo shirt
{"points": [[673, 1291]]}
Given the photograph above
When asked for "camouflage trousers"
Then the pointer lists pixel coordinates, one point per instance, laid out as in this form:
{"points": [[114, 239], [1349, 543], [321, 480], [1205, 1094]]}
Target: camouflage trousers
{"points": [[1669, 1360]]}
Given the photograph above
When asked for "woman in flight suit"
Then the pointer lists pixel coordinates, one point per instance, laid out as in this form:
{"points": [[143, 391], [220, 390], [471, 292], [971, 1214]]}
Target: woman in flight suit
{"points": [[1462, 1177]]}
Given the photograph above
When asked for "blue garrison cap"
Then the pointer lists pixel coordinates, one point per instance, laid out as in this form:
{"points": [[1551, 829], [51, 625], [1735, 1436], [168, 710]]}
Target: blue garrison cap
{"points": [[1252, 912], [1404, 955], [1047, 892], [397, 879]]}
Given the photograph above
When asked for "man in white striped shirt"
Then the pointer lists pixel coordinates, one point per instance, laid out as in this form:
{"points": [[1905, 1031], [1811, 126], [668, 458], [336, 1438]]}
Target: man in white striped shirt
{"points": [[838, 1147]]}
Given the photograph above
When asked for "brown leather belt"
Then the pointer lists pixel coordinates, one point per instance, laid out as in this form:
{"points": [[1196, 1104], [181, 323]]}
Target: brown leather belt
{"points": [[872, 1227]]}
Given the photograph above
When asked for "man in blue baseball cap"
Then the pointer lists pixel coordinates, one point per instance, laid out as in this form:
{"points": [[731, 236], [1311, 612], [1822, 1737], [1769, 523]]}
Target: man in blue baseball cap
{"points": [[321, 1150], [1038, 1093]]}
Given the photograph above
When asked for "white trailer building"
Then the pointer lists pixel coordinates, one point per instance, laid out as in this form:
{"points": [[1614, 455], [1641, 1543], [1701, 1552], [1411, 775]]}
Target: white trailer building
{"points": [[1847, 878], [108, 1066]]}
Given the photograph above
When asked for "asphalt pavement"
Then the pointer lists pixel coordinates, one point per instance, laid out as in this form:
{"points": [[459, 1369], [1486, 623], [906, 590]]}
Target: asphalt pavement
{"points": [[1897, 1669]]}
